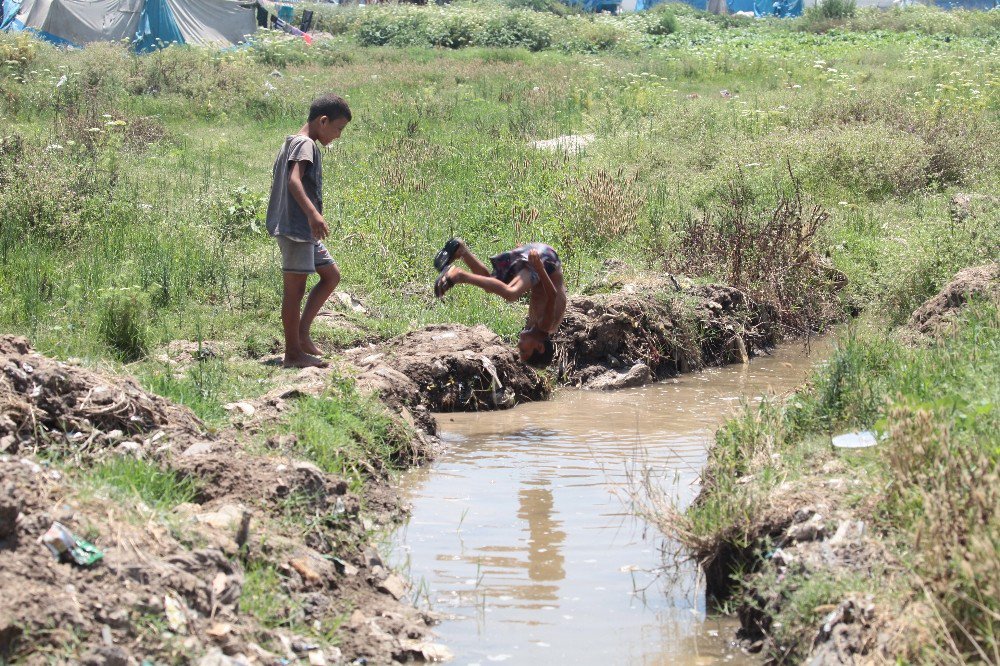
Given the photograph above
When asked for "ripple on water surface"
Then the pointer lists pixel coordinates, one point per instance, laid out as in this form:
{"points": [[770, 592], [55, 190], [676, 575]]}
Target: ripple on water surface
{"points": [[521, 535]]}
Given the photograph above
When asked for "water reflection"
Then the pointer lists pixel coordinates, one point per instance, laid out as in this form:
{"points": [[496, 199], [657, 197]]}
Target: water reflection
{"points": [[518, 532], [545, 560]]}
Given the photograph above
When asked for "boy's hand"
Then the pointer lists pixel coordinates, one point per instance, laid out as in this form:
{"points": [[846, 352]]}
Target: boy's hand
{"points": [[535, 260], [320, 229]]}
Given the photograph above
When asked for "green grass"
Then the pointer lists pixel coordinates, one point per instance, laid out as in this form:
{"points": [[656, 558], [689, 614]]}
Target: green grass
{"points": [[139, 213], [349, 434], [137, 479]]}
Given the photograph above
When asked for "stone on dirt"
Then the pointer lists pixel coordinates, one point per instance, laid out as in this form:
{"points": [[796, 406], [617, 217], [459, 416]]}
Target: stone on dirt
{"points": [[638, 375], [393, 585]]}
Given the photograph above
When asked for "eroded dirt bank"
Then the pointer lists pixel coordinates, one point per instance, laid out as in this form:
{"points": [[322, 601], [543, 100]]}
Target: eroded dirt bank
{"points": [[639, 333], [827, 524], [648, 331], [262, 564]]}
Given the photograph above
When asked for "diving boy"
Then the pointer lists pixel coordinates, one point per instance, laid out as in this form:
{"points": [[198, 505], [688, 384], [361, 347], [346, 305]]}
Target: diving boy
{"points": [[295, 219], [534, 268]]}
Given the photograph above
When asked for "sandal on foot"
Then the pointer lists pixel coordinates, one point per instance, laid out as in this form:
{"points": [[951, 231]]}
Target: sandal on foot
{"points": [[443, 283], [446, 255]]}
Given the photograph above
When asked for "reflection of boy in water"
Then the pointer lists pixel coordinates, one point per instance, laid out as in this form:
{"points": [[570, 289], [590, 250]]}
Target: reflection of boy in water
{"points": [[545, 559], [535, 268]]}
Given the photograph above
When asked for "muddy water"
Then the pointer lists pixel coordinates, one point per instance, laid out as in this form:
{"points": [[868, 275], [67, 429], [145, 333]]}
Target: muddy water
{"points": [[522, 536]]}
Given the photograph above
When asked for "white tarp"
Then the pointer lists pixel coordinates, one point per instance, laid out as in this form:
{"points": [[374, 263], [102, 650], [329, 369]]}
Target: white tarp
{"points": [[83, 21], [213, 22], [200, 22]]}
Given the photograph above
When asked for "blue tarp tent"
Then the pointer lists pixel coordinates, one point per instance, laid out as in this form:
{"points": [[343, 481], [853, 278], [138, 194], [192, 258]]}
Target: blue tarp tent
{"points": [[145, 23]]}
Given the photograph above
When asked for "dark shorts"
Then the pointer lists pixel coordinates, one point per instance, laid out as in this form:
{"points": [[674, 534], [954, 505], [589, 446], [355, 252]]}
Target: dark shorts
{"points": [[507, 265]]}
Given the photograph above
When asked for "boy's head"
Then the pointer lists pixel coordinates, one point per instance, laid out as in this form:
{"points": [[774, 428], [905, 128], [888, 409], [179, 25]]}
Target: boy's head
{"points": [[328, 116], [535, 348]]}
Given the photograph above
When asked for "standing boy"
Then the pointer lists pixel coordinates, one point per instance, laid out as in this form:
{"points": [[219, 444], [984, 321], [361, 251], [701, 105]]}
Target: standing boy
{"points": [[534, 268], [295, 219]]}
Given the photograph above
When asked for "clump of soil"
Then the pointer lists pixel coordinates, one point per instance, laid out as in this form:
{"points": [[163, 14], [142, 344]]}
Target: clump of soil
{"points": [[661, 328], [448, 368], [938, 311], [43, 400]]}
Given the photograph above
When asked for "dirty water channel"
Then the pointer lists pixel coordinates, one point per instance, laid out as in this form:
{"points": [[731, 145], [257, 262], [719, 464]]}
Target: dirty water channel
{"points": [[521, 534]]}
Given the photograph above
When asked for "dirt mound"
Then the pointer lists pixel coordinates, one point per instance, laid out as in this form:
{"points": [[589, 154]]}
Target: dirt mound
{"points": [[977, 282], [448, 368], [263, 568], [152, 597], [45, 401], [648, 332]]}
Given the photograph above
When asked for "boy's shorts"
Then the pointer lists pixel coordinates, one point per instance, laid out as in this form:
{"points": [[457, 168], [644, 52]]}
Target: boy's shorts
{"points": [[302, 256]]}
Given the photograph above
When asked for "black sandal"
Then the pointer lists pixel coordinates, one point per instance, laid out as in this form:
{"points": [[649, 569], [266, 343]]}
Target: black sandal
{"points": [[443, 283], [446, 255]]}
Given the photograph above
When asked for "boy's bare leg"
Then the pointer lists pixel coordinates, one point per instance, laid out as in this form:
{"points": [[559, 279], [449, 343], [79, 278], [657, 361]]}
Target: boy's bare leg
{"points": [[472, 261], [329, 278], [291, 301]]}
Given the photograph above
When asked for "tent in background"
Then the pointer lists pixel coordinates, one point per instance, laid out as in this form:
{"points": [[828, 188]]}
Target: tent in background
{"points": [[146, 23]]}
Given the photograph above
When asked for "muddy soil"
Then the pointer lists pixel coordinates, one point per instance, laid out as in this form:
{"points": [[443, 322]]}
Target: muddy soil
{"points": [[447, 368], [655, 329], [173, 584]]}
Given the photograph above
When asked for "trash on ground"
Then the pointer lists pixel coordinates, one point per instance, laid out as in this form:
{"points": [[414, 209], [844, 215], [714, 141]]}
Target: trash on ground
{"points": [[64, 545], [855, 440]]}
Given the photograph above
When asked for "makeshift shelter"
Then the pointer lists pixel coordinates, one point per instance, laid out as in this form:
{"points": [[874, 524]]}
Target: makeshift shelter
{"points": [[147, 24]]}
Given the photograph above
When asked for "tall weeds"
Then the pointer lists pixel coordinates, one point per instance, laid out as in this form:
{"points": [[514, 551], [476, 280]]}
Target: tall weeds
{"points": [[768, 252]]}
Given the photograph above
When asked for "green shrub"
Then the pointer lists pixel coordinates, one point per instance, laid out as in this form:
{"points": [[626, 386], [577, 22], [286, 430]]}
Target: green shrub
{"points": [[835, 9], [394, 26], [122, 325], [516, 29], [239, 214], [662, 21]]}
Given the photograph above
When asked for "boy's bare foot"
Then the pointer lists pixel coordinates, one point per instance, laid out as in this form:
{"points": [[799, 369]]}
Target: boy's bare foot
{"points": [[309, 347], [303, 360]]}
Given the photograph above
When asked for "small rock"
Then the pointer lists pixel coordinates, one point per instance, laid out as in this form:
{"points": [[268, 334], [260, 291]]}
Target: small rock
{"points": [[848, 531], [223, 518], [803, 514], [174, 610], [276, 74], [317, 658], [198, 449], [130, 448], [638, 375], [393, 585], [810, 530], [373, 558], [302, 566], [219, 629], [245, 407], [216, 657], [345, 568]]}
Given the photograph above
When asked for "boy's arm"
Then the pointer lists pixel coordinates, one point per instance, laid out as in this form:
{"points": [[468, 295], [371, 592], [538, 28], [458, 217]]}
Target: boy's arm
{"points": [[319, 227], [548, 290]]}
